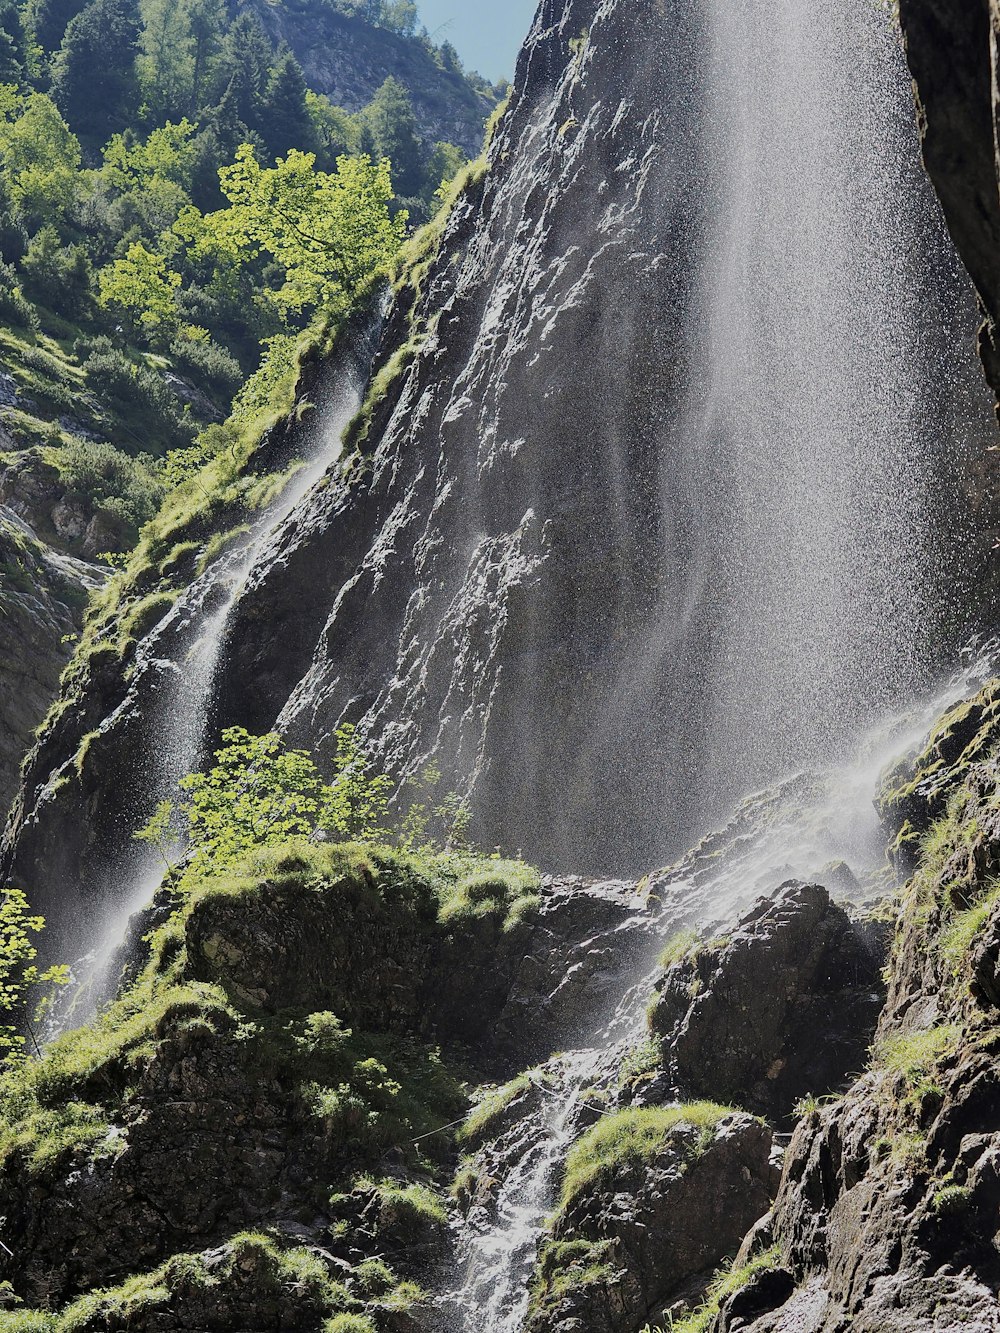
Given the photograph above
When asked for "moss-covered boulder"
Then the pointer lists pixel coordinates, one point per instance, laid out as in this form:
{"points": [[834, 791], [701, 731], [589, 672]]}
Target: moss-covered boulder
{"points": [[276, 1066], [652, 1200]]}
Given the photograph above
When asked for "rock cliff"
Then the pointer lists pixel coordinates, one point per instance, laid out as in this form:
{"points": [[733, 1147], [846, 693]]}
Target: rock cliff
{"points": [[348, 60], [490, 581], [43, 596], [294, 1057]]}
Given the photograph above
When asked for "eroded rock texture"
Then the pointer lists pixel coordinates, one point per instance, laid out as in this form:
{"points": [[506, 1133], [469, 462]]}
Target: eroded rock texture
{"points": [[886, 1216], [42, 600], [657, 1227], [784, 1006]]}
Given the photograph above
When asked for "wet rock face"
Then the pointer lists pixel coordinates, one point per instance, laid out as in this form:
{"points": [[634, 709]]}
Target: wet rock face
{"points": [[950, 46], [467, 593], [654, 1230], [886, 1217], [42, 600], [783, 1007]]}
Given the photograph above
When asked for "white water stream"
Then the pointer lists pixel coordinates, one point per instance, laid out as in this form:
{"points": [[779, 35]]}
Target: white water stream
{"points": [[179, 723], [812, 827]]}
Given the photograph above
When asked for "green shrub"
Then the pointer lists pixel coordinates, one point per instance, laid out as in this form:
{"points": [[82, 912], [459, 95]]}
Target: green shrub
{"points": [[15, 308], [122, 486], [678, 947], [140, 397], [208, 365]]}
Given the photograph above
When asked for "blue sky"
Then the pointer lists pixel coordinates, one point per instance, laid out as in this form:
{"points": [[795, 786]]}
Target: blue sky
{"points": [[486, 33]]}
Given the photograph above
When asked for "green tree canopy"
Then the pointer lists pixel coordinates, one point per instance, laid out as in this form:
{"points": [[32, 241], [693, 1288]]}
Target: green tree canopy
{"points": [[392, 125], [330, 233], [285, 118]]}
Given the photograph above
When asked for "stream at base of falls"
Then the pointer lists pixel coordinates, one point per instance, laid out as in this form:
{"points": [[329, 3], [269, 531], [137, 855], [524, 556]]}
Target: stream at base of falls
{"points": [[820, 828]]}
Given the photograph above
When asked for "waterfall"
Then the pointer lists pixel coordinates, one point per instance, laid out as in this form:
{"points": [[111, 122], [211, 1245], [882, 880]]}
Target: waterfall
{"points": [[815, 542], [801, 829], [182, 656], [828, 390]]}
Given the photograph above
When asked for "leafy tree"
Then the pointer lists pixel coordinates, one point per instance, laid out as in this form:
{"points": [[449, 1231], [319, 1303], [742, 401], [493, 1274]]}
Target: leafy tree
{"points": [[285, 119], [443, 165], [57, 276], [40, 158], [259, 793], [399, 16], [94, 77], [165, 66], [141, 286], [392, 125], [20, 976], [330, 233], [334, 131]]}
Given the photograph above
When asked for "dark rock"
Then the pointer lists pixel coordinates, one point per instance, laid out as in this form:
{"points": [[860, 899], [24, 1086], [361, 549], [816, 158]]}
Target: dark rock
{"points": [[783, 1007], [659, 1227], [42, 599]]}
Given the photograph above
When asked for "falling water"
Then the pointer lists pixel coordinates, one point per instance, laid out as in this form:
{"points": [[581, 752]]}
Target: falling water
{"points": [[814, 540], [178, 722], [815, 827], [829, 391]]}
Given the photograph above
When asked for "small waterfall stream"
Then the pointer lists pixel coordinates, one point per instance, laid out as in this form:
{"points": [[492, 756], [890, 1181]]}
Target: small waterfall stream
{"points": [[180, 719]]}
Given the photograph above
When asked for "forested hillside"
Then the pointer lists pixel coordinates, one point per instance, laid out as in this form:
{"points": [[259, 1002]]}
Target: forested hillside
{"points": [[172, 188]]}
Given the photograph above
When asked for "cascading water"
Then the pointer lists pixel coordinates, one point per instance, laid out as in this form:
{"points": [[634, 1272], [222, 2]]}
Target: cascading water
{"points": [[178, 727], [804, 587], [830, 395], [815, 827]]}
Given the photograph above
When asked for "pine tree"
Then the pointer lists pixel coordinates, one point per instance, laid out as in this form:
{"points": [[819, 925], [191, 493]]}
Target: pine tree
{"points": [[285, 120], [245, 67], [48, 20], [93, 77], [13, 44], [207, 19], [393, 128]]}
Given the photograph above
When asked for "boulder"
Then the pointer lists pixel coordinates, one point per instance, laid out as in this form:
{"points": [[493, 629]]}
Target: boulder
{"points": [[783, 1007]]}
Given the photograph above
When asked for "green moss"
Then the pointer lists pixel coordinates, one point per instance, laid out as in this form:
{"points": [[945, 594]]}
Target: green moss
{"points": [[349, 1323], [275, 1271], [487, 1115], [678, 947], [640, 1061], [506, 890], [913, 1057], [565, 1266], [726, 1285], [631, 1137], [143, 615], [966, 927]]}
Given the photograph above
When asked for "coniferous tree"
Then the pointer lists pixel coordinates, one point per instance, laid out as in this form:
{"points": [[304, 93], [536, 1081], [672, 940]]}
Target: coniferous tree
{"points": [[208, 20], [285, 120], [93, 77], [13, 44], [245, 67], [48, 20], [393, 129]]}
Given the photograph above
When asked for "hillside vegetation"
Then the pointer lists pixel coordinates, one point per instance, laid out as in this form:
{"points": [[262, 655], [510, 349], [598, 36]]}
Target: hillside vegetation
{"points": [[176, 205]]}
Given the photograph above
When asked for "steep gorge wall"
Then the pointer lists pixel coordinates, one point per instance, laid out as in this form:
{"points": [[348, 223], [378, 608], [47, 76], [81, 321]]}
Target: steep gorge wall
{"points": [[519, 575]]}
